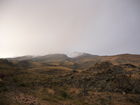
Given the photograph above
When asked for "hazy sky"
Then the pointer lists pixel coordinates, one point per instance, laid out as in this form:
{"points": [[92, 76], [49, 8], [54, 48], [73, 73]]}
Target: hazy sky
{"points": [[38, 27]]}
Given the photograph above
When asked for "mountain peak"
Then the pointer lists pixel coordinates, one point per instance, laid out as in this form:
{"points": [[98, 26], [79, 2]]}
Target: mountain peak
{"points": [[79, 54]]}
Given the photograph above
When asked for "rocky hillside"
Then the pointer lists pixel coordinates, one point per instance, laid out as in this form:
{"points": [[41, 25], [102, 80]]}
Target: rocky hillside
{"points": [[123, 59], [82, 61], [61, 80]]}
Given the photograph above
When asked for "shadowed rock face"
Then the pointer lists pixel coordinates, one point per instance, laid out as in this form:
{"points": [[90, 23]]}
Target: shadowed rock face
{"points": [[24, 64], [101, 66], [5, 62], [129, 66], [103, 77], [2, 75]]}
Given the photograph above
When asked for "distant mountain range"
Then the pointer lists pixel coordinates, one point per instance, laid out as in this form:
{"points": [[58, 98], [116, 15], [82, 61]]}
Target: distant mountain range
{"points": [[81, 60]]}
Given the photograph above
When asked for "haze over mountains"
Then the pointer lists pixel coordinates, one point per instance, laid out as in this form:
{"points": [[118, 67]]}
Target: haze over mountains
{"points": [[51, 29], [81, 57], [39, 27]]}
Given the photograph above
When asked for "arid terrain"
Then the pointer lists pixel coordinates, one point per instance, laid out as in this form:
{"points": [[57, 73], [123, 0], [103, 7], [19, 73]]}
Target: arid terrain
{"points": [[57, 79]]}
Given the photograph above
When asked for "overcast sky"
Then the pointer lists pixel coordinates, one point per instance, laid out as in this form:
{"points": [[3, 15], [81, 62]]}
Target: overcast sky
{"points": [[39, 27]]}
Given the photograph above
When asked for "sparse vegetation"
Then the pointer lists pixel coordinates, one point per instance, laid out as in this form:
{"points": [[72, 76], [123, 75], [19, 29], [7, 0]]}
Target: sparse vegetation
{"points": [[35, 82]]}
